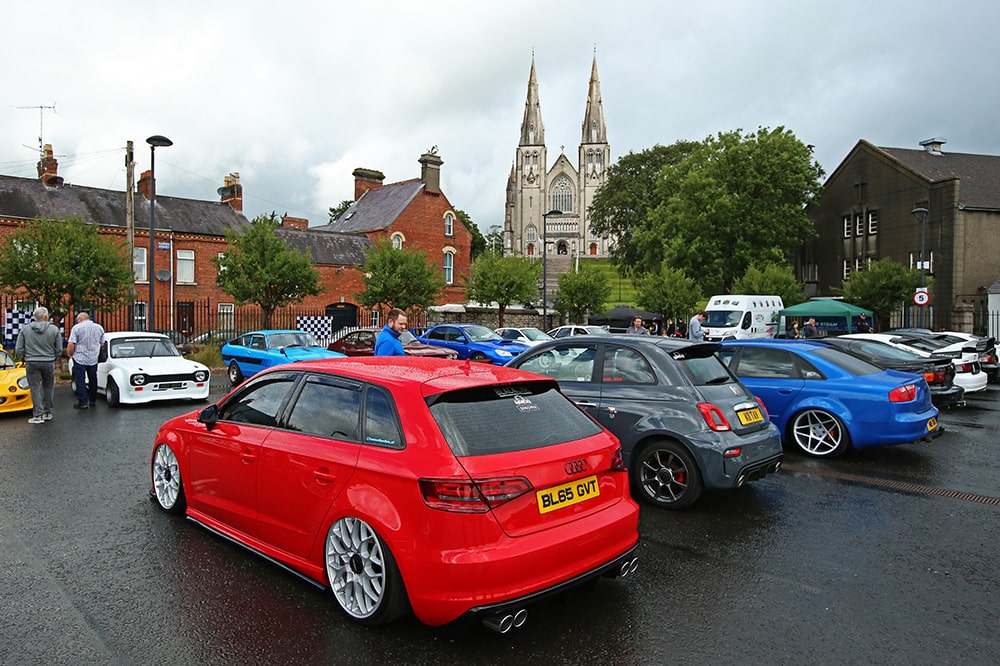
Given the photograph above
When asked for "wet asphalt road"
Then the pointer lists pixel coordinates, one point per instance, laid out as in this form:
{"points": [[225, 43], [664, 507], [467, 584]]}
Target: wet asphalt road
{"points": [[887, 556]]}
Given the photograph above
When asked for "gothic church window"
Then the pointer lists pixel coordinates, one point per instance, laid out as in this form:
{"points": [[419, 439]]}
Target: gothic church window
{"points": [[562, 195], [531, 234]]}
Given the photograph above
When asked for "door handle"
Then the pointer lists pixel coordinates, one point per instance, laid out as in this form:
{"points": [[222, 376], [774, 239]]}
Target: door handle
{"points": [[323, 476]]}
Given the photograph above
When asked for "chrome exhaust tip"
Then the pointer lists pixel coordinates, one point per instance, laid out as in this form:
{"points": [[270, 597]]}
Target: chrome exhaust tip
{"points": [[520, 617], [628, 567], [499, 623]]}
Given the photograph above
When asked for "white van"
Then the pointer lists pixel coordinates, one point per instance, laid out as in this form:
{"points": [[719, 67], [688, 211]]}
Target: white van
{"points": [[741, 316]]}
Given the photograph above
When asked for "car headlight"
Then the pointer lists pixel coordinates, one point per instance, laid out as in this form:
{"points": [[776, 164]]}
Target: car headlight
{"points": [[22, 383], [201, 376], [138, 380], [501, 352]]}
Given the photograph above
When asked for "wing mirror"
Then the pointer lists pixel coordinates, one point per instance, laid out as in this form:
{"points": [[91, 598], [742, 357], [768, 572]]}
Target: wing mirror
{"points": [[209, 416]]}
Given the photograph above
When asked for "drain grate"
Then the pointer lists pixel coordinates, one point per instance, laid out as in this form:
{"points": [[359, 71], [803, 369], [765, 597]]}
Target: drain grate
{"points": [[895, 485]]}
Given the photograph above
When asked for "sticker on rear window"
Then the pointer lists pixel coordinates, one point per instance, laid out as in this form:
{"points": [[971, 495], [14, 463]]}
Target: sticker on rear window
{"points": [[524, 405]]}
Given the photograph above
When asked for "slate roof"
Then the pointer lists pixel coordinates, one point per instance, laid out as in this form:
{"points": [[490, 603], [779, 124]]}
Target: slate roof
{"points": [[29, 198], [979, 174], [376, 209], [327, 247]]}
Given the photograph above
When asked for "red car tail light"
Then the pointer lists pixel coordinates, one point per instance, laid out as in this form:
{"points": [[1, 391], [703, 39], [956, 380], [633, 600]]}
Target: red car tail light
{"points": [[469, 496], [903, 393], [617, 463], [936, 376], [763, 408], [964, 367], [713, 417]]}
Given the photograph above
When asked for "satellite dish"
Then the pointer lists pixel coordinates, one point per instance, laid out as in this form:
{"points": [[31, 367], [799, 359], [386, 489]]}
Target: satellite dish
{"points": [[163, 275], [225, 191]]}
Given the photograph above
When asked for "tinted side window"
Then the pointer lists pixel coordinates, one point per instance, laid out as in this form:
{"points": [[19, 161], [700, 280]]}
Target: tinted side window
{"points": [[626, 366], [327, 409], [258, 405], [381, 423], [766, 363], [565, 363], [439, 333]]}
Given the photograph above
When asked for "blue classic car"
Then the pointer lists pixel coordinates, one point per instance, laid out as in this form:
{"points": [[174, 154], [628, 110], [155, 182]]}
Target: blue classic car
{"points": [[252, 352], [472, 341], [825, 401]]}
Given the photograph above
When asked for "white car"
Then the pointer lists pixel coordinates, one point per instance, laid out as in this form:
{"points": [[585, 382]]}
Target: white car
{"points": [[529, 335], [143, 367], [956, 341], [969, 373], [577, 329]]}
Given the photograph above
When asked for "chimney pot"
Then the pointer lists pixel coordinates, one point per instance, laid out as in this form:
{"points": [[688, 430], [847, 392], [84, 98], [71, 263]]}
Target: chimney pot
{"points": [[366, 179], [933, 146], [430, 171]]}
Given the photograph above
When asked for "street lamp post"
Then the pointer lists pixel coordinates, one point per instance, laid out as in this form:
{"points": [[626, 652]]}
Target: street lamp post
{"points": [[545, 266], [163, 142], [921, 214]]}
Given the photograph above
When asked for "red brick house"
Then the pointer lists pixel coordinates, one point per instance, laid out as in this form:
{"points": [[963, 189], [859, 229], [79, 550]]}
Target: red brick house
{"points": [[414, 214]]}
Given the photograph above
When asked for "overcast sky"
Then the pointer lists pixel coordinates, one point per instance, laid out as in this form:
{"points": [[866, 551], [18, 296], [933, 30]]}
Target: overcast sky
{"points": [[295, 95]]}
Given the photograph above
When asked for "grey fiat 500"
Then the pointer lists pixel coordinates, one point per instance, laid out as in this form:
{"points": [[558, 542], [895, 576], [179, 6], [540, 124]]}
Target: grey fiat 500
{"points": [[685, 422]]}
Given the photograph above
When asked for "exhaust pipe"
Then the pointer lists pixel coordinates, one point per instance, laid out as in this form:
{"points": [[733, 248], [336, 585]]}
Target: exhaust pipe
{"points": [[507, 621], [629, 567]]}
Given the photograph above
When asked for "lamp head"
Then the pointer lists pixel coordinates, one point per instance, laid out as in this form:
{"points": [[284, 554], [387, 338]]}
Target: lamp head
{"points": [[159, 141]]}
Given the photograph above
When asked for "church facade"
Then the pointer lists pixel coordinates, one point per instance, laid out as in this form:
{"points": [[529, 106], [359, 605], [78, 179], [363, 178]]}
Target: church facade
{"points": [[558, 197]]}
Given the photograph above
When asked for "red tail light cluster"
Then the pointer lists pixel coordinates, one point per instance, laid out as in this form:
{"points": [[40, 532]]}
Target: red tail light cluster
{"points": [[617, 463], [472, 496], [936, 376], [903, 393], [713, 417], [964, 367]]}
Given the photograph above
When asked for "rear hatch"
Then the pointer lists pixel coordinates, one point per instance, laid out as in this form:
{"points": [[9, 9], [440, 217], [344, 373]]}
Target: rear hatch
{"points": [[530, 441]]}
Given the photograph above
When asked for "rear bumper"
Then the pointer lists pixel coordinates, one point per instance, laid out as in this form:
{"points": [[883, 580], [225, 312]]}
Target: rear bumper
{"points": [[953, 396]]}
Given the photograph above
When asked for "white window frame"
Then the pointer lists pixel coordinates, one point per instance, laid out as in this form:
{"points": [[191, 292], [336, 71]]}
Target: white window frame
{"points": [[397, 241], [227, 316], [449, 224], [449, 267], [847, 269], [859, 225], [847, 226], [140, 265], [873, 223], [185, 266]]}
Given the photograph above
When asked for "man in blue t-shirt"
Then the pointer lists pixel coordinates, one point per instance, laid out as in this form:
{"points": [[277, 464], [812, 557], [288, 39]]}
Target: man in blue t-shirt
{"points": [[388, 343]]}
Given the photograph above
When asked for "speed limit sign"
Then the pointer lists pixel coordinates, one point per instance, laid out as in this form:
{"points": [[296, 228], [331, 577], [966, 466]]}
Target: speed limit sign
{"points": [[921, 297]]}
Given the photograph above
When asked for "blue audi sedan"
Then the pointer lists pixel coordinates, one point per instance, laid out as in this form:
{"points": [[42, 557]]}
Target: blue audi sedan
{"points": [[825, 401], [473, 341]]}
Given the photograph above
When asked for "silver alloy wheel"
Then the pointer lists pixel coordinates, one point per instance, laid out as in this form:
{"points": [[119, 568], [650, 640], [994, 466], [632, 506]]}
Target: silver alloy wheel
{"points": [[166, 478], [356, 567], [819, 433]]}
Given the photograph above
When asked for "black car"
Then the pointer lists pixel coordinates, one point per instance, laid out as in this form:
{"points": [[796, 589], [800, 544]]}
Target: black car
{"points": [[939, 372], [685, 422]]}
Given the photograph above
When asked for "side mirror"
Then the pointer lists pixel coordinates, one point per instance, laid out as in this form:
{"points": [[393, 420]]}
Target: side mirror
{"points": [[461, 339], [209, 416]]}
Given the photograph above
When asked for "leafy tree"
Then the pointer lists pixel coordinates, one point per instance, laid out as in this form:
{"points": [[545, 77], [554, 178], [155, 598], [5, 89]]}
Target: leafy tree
{"points": [[401, 278], [338, 210], [776, 279], [669, 292], [504, 280], [734, 201], [494, 239], [478, 245], [63, 263], [584, 291], [622, 204], [258, 267], [882, 288]]}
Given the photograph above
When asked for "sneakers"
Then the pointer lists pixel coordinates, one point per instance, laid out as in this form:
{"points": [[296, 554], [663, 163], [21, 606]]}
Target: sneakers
{"points": [[47, 417], [79, 406], [36, 419]]}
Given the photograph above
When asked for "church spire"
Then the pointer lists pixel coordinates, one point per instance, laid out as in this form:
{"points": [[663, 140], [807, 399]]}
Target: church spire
{"points": [[594, 129], [532, 130]]}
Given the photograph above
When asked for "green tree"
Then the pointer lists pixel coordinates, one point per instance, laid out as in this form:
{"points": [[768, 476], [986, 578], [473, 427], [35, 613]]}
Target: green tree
{"points": [[337, 211], [774, 279], [478, 245], [628, 195], [882, 288], [401, 278], [734, 201], [494, 239], [258, 267], [64, 263], [584, 291], [504, 280], [669, 292]]}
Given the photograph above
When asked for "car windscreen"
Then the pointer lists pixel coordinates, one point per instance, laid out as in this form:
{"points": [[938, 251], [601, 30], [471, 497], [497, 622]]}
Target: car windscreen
{"points": [[5, 360], [847, 362], [279, 340], [534, 415], [722, 318], [407, 338], [481, 334], [142, 348]]}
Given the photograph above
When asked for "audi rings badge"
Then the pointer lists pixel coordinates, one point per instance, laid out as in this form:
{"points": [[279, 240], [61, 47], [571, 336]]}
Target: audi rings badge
{"points": [[578, 466]]}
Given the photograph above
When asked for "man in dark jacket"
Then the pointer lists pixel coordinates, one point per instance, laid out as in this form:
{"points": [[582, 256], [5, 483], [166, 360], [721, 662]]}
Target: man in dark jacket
{"points": [[39, 345]]}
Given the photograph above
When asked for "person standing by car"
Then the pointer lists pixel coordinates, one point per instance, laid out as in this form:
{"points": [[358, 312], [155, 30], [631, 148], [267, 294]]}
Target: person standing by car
{"points": [[637, 328], [810, 330], [695, 331], [388, 343], [863, 325], [39, 345], [84, 346]]}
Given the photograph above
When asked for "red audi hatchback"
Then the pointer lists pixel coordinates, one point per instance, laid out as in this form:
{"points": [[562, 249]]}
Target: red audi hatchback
{"points": [[452, 489]]}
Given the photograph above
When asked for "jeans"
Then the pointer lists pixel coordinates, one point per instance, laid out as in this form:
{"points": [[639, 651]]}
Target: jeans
{"points": [[42, 383], [85, 382]]}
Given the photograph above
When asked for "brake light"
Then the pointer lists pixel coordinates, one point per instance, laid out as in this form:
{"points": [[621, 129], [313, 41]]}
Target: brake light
{"points": [[903, 393], [617, 462], [471, 496], [760, 402], [713, 417], [732, 453], [964, 367]]}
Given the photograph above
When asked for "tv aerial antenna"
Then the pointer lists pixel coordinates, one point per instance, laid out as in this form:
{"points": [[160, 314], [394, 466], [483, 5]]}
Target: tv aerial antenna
{"points": [[41, 124]]}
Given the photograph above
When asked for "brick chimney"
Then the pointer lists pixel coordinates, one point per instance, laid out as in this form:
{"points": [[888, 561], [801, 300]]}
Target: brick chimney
{"points": [[232, 192], [430, 170], [290, 222], [366, 179], [142, 187], [48, 167]]}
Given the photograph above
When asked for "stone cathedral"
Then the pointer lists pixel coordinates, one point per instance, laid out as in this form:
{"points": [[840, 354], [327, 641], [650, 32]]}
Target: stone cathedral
{"points": [[533, 189]]}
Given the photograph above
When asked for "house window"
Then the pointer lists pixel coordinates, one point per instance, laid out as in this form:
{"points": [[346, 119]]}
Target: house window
{"points": [[859, 225], [531, 234], [185, 266], [859, 265], [449, 224], [449, 268], [847, 226], [139, 264], [562, 195], [847, 268], [872, 222], [227, 319], [397, 241]]}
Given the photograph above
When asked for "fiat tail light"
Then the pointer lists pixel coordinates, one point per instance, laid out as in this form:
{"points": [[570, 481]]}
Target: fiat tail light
{"points": [[713, 417]]}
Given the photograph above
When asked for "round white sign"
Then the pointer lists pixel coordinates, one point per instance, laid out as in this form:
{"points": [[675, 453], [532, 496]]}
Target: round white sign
{"points": [[921, 297]]}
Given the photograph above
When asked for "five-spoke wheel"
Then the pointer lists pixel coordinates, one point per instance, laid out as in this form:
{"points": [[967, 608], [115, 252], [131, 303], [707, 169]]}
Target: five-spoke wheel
{"points": [[819, 433], [363, 574], [664, 474]]}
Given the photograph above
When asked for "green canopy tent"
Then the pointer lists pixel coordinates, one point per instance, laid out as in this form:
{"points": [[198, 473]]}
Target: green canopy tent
{"points": [[832, 316]]}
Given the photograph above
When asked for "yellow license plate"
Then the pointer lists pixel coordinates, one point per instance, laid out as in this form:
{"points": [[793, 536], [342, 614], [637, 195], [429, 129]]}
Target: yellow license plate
{"points": [[568, 494], [931, 424], [748, 416]]}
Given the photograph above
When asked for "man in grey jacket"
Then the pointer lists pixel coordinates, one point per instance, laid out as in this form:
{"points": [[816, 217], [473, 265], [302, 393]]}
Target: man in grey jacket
{"points": [[39, 345]]}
